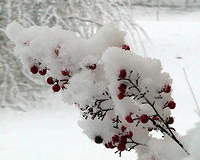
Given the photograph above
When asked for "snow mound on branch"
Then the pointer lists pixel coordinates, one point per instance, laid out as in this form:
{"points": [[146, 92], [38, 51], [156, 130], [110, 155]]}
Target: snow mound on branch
{"points": [[149, 71], [167, 148], [107, 82]]}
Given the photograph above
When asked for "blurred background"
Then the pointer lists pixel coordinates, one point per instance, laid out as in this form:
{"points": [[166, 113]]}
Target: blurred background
{"points": [[163, 29], [84, 17]]}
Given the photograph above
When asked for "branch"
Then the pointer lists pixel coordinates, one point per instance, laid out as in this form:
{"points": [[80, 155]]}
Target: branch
{"points": [[192, 93], [169, 133]]}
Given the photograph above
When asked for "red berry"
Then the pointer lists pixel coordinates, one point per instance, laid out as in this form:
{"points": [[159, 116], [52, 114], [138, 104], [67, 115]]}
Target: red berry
{"points": [[170, 120], [144, 118], [113, 120], [65, 72], [34, 69], [123, 139], [122, 73], [63, 86], [43, 72], [56, 51], [56, 88], [123, 128], [167, 88], [50, 80], [106, 145], [129, 134], [110, 145], [121, 96], [129, 119], [122, 88], [121, 147], [93, 66], [171, 104], [115, 138], [26, 43], [155, 118], [126, 47]]}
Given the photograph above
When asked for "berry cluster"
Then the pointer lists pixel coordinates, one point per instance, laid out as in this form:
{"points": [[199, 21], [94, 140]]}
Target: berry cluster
{"points": [[143, 118], [126, 81], [122, 87], [36, 68], [122, 141], [59, 84], [56, 84]]}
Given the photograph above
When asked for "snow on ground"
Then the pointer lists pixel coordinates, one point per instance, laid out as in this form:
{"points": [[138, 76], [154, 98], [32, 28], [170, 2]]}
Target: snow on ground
{"points": [[50, 131]]}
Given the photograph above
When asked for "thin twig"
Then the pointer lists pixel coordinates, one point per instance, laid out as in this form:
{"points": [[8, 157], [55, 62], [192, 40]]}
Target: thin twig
{"points": [[197, 110]]}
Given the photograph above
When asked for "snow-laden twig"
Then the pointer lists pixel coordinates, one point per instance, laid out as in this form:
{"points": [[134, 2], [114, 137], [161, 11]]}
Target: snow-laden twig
{"points": [[197, 109]]}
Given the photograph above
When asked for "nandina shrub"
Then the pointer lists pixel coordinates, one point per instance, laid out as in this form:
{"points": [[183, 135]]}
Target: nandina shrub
{"points": [[122, 97]]}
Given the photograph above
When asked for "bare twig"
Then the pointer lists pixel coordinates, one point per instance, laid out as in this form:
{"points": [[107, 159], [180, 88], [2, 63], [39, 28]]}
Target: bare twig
{"points": [[197, 109]]}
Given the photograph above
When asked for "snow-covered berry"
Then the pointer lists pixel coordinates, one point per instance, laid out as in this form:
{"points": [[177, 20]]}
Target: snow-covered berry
{"points": [[115, 138], [144, 118], [63, 86], [57, 52], [167, 88], [122, 87], [43, 71], [122, 73], [92, 67], [125, 47], [129, 134], [106, 145], [121, 96], [121, 147], [170, 120], [56, 88], [65, 72], [171, 104], [129, 119], [155, 118], [123, 139], [123, 128], [50, 80], [34, 69], [110, 145]]}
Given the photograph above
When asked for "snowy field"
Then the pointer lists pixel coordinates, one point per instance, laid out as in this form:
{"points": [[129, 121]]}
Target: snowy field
{"points": [[50, 131]]}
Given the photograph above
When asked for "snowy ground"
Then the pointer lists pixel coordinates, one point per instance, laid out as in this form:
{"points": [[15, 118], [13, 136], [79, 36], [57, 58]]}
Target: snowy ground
{"points": [[51, 132], [48, 133]]}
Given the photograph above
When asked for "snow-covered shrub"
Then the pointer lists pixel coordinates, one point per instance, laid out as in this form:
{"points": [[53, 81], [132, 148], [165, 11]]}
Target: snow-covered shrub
{"points": [[84, 17], [122, 97]]}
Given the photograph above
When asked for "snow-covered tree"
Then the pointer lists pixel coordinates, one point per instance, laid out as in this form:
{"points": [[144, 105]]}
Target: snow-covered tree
{"points": [[122, 97]]}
